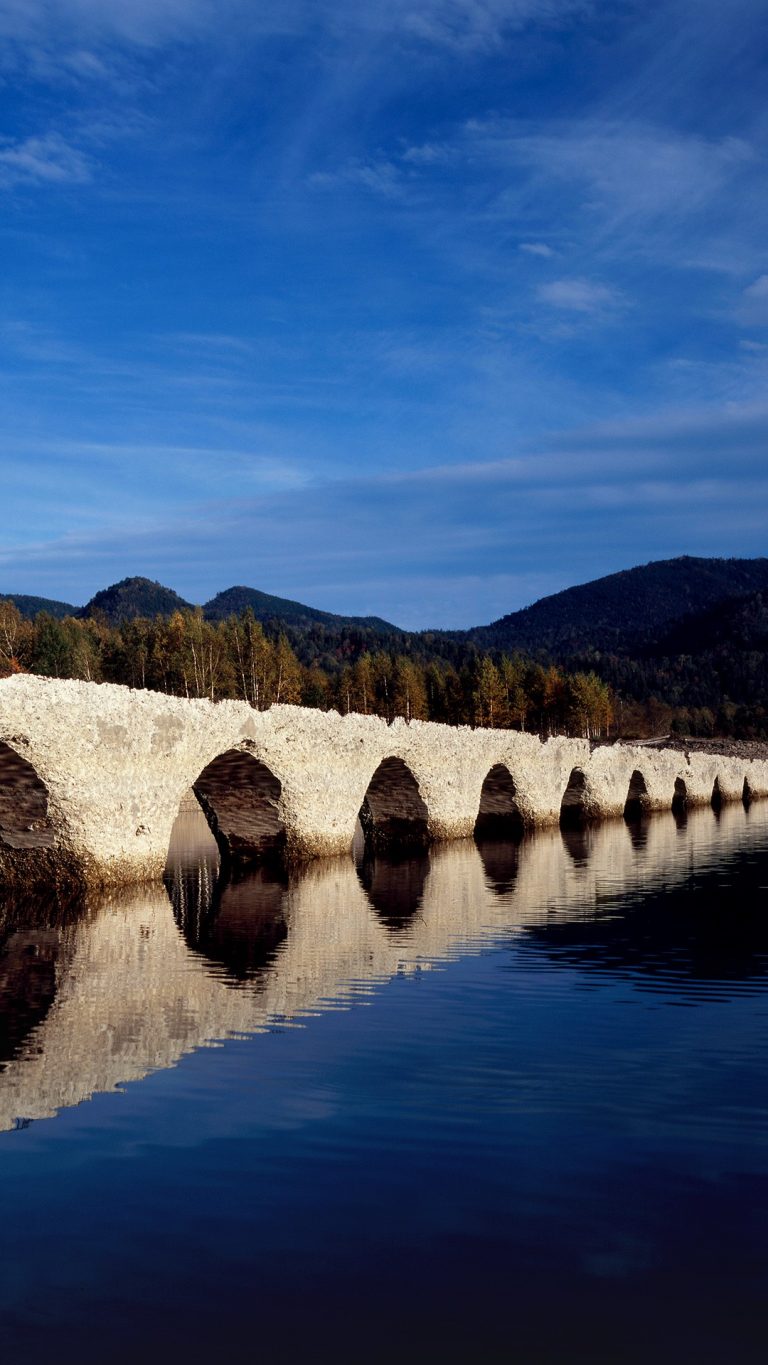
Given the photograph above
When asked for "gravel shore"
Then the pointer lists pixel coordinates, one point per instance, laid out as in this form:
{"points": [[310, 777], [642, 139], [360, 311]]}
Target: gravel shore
{"points": [[729, 748]]}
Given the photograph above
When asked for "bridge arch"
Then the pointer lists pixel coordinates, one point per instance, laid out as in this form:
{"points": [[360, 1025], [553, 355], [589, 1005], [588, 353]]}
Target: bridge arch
{"points": [[717, 798], [25, 821], [240, 797], [638, 802], [680, 798], [499, 814], [747, 792], [575, 807], [394, 814]]}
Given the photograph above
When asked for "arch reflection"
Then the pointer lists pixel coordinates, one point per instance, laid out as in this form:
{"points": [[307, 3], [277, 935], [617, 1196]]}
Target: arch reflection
{"points": [[577, 840], [501, 863], [235, 918], [144, 977], [394, 886]]}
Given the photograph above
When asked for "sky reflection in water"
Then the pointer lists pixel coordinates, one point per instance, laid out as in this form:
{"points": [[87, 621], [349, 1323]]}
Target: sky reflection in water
{"points": [[542, 1139]]}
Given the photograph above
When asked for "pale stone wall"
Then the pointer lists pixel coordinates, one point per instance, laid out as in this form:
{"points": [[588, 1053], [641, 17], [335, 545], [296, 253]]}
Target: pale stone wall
{"points": [[116, 763]]}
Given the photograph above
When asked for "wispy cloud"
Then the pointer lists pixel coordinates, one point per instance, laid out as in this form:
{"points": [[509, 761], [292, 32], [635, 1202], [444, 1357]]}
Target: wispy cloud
{"points": [[46, 160], [628, 172], [752, 310], [380, 177], [464, 24], [474, 536], [317, 324], [469, 25], [580, 296], [536, 249]]}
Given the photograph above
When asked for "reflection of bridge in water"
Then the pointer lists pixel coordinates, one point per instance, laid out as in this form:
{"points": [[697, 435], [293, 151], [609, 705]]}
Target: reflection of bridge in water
{"points": [[137, 980]]}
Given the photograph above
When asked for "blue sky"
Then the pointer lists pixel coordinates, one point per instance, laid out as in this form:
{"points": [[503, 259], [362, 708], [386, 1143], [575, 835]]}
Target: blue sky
{"points": [[424, 308]]}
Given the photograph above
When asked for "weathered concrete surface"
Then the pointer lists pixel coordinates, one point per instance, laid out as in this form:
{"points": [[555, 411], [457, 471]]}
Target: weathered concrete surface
{"points": [[115, 764]]}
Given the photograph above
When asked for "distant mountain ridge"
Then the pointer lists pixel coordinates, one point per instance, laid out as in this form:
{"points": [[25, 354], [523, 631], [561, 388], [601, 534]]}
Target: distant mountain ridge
{"points": [[134, 597], [625, 613], [664, 607], [679, 640], [29, 606], [268, 608]]}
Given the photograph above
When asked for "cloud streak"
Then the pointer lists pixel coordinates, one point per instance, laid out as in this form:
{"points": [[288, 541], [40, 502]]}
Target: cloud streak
{"points": [[580, 296], [46, 160], [594, 501], [320, 293]]}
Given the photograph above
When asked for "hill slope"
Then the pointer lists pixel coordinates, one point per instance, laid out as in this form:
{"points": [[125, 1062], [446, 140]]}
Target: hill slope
{"points": [[628, 612], [268, 608], [133, 597], [28, 607]]}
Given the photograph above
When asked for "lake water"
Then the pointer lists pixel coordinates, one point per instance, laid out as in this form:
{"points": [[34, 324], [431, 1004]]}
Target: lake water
{"points": [[506, 1103]]}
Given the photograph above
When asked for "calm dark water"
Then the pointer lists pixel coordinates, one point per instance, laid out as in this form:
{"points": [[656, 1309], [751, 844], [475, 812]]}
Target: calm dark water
{"points": [[495, 1104]]}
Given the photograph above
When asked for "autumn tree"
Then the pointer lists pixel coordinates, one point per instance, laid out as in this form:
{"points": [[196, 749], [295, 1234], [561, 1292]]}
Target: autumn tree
{"points": [[15, 635], [409, 692], [489, 695]]}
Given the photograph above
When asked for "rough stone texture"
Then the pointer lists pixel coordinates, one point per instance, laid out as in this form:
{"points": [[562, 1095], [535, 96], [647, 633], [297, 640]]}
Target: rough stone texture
{"points": [[116, 763]]}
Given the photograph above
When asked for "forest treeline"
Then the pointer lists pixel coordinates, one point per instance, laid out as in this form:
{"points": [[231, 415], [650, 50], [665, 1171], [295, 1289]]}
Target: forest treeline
{"points": [[186, 655]]}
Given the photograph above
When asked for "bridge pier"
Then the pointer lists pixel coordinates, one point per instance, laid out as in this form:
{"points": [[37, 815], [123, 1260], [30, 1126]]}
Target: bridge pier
{"points": [[92, 776]]}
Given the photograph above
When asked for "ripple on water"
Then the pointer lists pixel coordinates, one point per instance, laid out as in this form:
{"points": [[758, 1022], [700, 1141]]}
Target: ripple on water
{"points": [[492, 1096]]}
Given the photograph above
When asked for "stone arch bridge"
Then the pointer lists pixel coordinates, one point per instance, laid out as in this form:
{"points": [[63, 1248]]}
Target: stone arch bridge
{"points": [[92, 777]]}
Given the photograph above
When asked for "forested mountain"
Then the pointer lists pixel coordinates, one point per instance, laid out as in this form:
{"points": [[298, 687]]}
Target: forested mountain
{"points": [[132, 598], [28, 607], [143, 597], [266, 608], [626, 612], [683, 643], [680, 644]]}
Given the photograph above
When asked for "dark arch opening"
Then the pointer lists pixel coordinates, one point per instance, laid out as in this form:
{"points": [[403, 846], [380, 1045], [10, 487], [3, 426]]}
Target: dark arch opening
{"points": [[499, 815], [394, 886], [236, 921], [393, 815], [239, 795], [24, 820], [501, 861], [717, 796], [638, 802], [577, 839], [747, 794], [680, 801], [637, 830], [574, 811]]}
